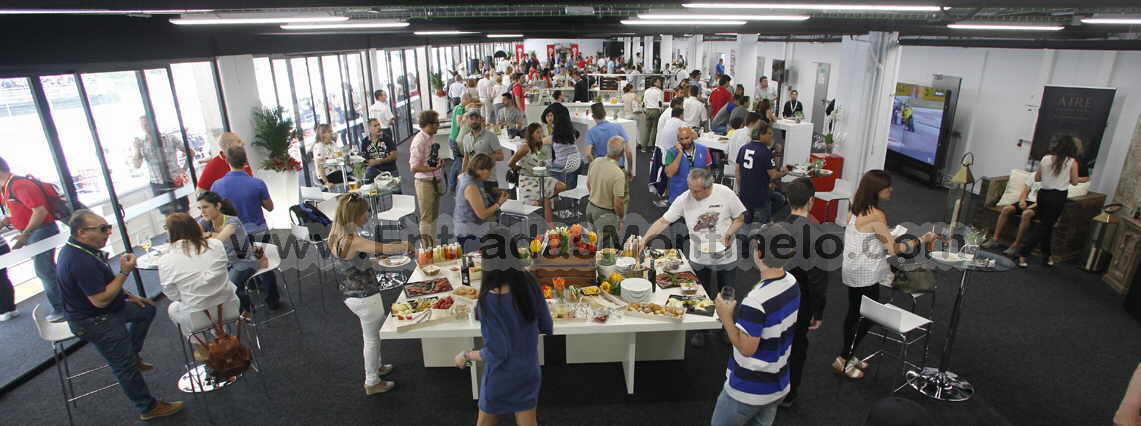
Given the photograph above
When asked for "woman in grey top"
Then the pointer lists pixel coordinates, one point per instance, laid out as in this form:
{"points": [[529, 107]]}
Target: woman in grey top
{"points": [[472, 209], [359, 284], [220, 221]]}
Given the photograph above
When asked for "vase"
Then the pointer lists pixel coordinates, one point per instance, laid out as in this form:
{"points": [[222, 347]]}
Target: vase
{"points": [[284, 189]]}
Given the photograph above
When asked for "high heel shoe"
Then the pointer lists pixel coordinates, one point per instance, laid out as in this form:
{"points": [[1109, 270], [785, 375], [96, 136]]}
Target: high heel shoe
{"points": [[861, 364], [847, 369]]}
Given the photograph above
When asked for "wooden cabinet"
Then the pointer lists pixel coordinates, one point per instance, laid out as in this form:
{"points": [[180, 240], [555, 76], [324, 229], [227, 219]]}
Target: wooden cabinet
{"points": [[1126, 252]]}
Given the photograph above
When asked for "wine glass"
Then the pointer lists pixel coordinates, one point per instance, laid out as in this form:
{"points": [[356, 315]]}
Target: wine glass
{"points": [[728, 293]]}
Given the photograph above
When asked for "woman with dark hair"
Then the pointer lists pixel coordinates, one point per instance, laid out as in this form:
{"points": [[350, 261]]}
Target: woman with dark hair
{"points": [[1057, 171], [472, 208], [193, 276], [568, 157], [535, 152], [868, 242], [220, 222], [511, 313], [765, 109]]}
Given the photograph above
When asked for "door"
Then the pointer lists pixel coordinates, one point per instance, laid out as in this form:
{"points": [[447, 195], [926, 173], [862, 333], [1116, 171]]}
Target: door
{"points": [[820, 97]]}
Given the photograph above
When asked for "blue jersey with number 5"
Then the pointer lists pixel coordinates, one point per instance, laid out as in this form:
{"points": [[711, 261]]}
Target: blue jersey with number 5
{"points": [[755, 160]]}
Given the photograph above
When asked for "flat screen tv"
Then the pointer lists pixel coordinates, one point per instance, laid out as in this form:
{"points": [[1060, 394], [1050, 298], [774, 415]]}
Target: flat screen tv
{"points": [[917, 124]]}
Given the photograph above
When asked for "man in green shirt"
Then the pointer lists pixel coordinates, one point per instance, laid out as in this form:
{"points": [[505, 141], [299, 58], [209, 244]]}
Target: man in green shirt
{"points": [[457, 131]]}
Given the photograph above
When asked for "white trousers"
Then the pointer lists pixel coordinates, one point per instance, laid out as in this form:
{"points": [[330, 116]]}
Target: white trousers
{"points": [[371, 312]]}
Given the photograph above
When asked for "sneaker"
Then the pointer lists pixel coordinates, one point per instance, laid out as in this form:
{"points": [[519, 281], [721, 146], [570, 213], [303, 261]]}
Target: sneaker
{"points": [[385, 370], [55, 317], [10, 315], [162, 409], [381, 387], [697, 340]]}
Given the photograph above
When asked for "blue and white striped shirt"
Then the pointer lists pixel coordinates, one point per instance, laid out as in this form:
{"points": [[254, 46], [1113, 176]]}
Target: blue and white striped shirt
{"points": [[769, 312]]}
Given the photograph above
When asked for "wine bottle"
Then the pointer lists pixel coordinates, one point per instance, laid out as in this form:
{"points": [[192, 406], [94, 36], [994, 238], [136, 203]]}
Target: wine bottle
{"points": [[465, 276]]}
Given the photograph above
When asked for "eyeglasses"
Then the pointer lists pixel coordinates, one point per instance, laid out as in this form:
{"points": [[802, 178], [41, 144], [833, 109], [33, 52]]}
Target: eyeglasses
{"points": [[102, 228]]}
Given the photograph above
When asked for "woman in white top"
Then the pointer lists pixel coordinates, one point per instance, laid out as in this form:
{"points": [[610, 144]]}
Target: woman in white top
{"points": [[1057, 171], [652, 100], [323, 150], [194, 277], [867, 244]]}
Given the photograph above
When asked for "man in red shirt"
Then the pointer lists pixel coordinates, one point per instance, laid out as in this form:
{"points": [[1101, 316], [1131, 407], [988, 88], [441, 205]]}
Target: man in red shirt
{"points": [[26, 203], [720, 95], [217, 167]]}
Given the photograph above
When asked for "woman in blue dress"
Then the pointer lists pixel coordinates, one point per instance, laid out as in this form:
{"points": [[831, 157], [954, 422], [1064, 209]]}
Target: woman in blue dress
{"points": [[512, 313]]}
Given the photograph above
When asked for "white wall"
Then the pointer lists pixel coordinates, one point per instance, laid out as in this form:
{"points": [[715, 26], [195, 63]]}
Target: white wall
{"points": [[1001, 89], [801, 60], [586, 46]]}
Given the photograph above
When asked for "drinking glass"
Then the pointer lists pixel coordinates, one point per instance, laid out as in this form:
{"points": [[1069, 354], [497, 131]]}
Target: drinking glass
{"points": [[728, 293]]}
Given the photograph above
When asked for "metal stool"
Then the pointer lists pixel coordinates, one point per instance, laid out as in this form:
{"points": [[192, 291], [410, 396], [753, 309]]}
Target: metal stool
{"points": [[197, 379], [402, 206], [306, 235], [273, 267], [578, 195], [58, 334], [898, 326]]}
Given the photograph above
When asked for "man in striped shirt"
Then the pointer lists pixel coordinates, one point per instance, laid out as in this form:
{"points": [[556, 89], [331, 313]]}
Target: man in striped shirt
{"points": [[757, 378]]}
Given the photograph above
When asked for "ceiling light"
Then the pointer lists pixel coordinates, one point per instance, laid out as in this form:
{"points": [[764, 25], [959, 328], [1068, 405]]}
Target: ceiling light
{"points": [[1001, 27], [724, 17], [669, 22], [429, 33], [255, 19], [101, 11], [345, 26], [1119, 21], [793, 6], [505, 36]]}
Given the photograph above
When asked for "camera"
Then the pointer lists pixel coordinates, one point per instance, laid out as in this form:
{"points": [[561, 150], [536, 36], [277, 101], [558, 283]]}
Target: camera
{"points": [[434, 156]]}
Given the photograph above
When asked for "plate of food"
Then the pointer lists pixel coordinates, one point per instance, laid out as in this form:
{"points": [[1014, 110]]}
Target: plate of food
{"points": [[655, 311], [430, 270], [394, 261], [671, 280], [698, 305], [466, 292], [567, 312], [424, 288], [712, 247], [590, 291], [412, 309]]}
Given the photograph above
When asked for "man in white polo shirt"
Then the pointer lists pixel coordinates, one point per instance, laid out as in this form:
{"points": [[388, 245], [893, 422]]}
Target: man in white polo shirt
{"points": [[382, 112]]}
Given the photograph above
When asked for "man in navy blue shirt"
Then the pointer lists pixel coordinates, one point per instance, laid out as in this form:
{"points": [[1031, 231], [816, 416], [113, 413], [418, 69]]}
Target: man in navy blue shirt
{"points": [[249, 196], [99, 310], [755, 170]]}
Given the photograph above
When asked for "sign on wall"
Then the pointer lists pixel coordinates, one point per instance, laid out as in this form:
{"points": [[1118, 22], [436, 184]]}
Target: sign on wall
{"points": [[551, 52], [574, 50], [518, 52], [1078, 111]]}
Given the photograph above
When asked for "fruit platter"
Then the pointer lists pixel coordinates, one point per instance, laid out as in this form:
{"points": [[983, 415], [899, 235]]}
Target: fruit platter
{"points": [[564, 245], [656, 311], [427, 287], [697, 305]]}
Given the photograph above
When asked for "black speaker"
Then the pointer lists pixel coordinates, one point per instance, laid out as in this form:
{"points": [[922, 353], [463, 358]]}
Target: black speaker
{"points": [[613, 48]]}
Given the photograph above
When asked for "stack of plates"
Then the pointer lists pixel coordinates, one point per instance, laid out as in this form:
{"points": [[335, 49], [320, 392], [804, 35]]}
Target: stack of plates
{"points": [[636, 290]]}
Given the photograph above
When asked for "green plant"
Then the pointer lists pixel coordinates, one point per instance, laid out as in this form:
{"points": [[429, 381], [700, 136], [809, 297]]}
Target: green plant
{"points": [[437, 81], [828, 139], [274, 133]]}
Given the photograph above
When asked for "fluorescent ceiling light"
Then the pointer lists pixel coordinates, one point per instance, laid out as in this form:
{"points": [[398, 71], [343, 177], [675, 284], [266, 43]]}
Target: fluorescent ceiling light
{"points": [[669, 22], [428, 33], [1120, 21], [345, 26], [807, 6], [505, 36], [723, 17], [254, 19], [101, 11], [1000, 27]]}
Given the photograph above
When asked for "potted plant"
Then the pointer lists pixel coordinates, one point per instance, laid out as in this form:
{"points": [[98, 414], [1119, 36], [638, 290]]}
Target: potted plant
{"points": [[439, 93], [275, 134]]}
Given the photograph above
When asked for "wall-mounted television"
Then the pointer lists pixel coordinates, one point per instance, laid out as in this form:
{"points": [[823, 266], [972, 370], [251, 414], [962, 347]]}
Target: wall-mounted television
{"points": [[918, 123]]}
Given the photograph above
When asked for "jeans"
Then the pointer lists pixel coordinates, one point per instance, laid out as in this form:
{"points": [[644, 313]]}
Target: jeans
{"points": [[776, 210], [45, 265], [371, 312], [240, 272], [852, 336], [726, 274], [729, 411], [799, 351], [119, 337], [452, 171], [7, 292]]}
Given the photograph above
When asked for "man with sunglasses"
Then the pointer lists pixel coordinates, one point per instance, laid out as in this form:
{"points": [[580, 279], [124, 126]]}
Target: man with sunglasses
{"points": [[100, 311]]}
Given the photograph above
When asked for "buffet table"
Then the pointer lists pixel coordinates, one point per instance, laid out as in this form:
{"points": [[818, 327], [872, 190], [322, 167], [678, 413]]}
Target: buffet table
{"points": [[626, 339]]}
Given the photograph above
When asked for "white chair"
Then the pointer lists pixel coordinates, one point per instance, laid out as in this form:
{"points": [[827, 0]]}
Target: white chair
{"points": [[273, 266], [58, 334], [577, 195], [898, 325], [316, 194], [402, 206], [841, 192]]}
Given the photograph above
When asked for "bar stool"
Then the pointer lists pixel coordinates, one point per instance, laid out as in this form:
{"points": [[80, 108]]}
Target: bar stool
{"points": [[59, 334], [197, 378], [273, 267], [305, 234], [402, 206], [897, 325], [577, 195]]}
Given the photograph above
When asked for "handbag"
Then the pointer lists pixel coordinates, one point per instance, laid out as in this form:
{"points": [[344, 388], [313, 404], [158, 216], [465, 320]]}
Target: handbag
{"points": [[512, 176], [227, 356], [912, 278]]}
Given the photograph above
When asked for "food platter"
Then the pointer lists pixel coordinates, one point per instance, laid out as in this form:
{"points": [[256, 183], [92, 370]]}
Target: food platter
{"points": [[604, 300], [427, 287], [466, 292], [394, 261], [655, 311], [697, 305], [566, 312], [680, 279]]}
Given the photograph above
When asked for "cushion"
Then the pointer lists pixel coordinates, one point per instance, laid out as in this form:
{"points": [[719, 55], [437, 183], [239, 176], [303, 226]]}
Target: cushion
{"points": [[1075, 191], [1014, 186]]}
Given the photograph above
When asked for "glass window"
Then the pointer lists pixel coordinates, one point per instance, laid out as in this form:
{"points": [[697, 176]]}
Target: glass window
{"points": [[263, 70], [317, 89], [75, 138], [400, 92], [359, 99], [305, 101], [335, 94], [201, 108], [284, 92], [413, 72]]}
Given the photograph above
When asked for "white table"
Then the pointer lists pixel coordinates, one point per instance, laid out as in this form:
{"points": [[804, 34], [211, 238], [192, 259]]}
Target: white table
{"points": [[797, 140], [627, 340]]}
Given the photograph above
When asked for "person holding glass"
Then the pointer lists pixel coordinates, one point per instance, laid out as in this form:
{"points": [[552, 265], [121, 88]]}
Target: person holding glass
{"points": [[473, 207], [512, 313], [220, 222], [359, 284], [536, 190], [194, 276]]}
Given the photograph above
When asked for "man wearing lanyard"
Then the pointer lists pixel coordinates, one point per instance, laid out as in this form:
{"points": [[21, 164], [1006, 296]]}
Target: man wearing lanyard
{"points": [[682, 158], [26, 202], [100, 311], [382, 112]]}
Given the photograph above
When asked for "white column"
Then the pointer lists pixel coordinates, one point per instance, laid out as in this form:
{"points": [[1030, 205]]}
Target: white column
{"points": [[746, 63], [667, 53], [648, 54], [871, 66], [698, 62], [627, 48]]}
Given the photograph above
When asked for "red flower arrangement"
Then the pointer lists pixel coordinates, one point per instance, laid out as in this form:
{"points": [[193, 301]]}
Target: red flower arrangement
{"points": [[281, 164]]}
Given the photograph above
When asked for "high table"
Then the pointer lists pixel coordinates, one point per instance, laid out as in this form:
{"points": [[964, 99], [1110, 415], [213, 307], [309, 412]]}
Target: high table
{"points": [[939, 383], [626, 340]]}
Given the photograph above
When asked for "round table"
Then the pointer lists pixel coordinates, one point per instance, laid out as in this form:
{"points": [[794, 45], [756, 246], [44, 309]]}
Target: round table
{"points": [[940, 383]]}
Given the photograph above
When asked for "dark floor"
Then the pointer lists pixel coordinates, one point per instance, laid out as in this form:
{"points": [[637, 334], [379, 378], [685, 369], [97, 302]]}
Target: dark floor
{"points": [[1041, 346]]}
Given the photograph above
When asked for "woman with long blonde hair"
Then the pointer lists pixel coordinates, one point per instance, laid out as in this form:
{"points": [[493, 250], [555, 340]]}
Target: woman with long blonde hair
{"points": [[359, 284]]}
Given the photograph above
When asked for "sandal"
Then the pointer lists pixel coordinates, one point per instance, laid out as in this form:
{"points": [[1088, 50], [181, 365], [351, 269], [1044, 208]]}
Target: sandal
{"points": [[1022, 263], [861, 364], [847, 369]]}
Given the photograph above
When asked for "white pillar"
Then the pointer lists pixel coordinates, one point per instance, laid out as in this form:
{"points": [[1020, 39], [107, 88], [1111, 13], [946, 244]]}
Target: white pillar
{"points": [[648, 54], [628, 48], [698, 62], [667, 53], [871, 66], [746, 63]]}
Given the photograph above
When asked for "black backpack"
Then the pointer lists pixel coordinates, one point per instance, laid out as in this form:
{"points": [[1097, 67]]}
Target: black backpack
{"points": [[57, 205], [308, 215]]}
